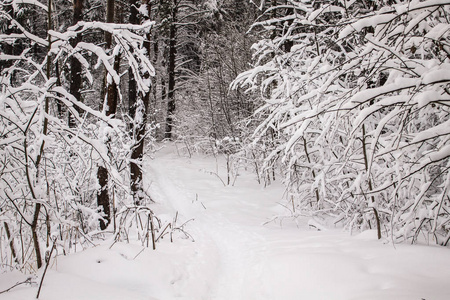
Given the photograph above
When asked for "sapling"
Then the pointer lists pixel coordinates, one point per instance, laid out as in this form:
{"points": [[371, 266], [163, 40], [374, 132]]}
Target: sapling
{"points": [[47, 263]]}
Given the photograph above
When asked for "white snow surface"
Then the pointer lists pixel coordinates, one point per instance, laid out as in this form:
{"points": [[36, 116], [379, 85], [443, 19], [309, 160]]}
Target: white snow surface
{"points": [[234, 256]]}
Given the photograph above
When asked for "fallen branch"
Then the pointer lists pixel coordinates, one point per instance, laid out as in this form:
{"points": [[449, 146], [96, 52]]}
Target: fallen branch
{"points": [[27, 281]]}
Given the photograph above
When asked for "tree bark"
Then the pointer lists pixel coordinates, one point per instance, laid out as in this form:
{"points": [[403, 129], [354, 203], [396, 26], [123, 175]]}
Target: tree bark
{"points": [[135, 171], [103, 197], [316, 190], [110, 108], [171, 72], [13, 49], [366, 165], [138, 108], [109, 19], [37, 207], [11, 242], [34, 226], [75, 65], [111, 87], [6, 47], [288, 44]]}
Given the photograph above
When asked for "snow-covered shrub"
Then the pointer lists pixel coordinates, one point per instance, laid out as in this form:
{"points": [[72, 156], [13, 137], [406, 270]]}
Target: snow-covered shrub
{"points": [[357, 93], [48, 168]]}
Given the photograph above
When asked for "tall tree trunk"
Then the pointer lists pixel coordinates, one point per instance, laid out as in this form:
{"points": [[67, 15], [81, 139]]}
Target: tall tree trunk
{"points": [[34, 225], [111, 87], [75, 65], [171, 71], [137, 154], [133, 107], [153, 102], [110, 107], [37, 206], [138, 107]]}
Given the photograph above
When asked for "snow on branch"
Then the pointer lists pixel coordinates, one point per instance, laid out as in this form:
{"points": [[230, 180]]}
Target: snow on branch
{"points": [[357, 100], [15, 3]]}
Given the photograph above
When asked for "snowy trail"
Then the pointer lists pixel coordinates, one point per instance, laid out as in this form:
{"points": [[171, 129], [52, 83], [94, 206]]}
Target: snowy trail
{"points": [[238, 258], [238, 246]]}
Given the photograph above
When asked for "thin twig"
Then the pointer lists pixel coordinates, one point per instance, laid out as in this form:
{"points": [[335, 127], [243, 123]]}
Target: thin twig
{"points": [[28, 280], [46, 267], [138, 253]]}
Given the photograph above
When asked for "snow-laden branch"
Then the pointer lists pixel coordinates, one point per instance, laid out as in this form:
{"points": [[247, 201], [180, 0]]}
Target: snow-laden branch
{"points": [[15, 3], [356, 109]]}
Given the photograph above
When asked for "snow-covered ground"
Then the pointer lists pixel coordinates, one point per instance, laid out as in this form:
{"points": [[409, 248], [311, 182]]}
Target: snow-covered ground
{"points": [[234, 255]]}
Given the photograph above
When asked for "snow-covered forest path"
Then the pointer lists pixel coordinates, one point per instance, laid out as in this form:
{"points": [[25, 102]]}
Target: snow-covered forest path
{"points": [[236, 257], [227, 222]]}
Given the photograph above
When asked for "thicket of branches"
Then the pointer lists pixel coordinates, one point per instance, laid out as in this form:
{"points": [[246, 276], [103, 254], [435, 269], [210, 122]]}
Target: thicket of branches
{"points": [[352, 96], [80, 96], [51, 142], [357, 112]]}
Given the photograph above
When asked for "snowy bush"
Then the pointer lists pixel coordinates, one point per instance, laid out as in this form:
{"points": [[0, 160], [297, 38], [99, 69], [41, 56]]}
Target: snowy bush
{"points": [[357, 94], [48, 166]]}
